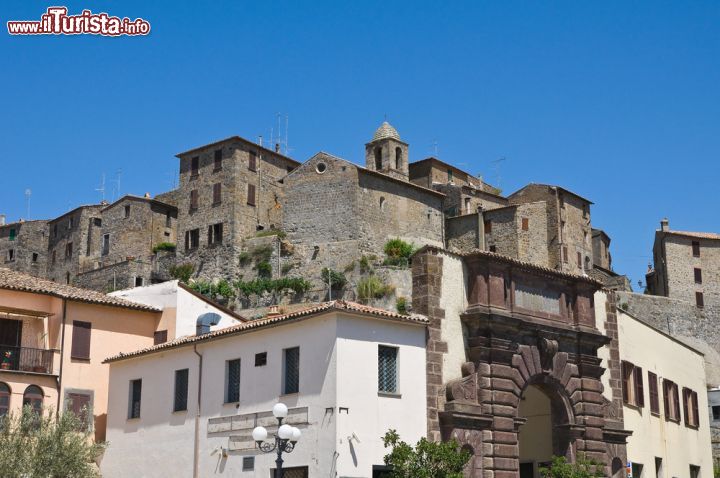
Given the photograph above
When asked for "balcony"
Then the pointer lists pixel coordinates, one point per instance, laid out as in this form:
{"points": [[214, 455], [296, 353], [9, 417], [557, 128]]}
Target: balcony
{"points": [[25, 359]]}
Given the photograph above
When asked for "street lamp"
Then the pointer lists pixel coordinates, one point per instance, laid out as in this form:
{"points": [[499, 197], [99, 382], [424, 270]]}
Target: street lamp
{"points": [[285, 439]]}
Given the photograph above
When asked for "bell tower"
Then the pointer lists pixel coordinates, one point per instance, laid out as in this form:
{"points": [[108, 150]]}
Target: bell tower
{"points": [[386, 153]]}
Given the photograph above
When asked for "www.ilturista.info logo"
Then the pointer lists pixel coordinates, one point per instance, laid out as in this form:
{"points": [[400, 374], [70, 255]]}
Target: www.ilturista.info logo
{"points": [[57, 22]]}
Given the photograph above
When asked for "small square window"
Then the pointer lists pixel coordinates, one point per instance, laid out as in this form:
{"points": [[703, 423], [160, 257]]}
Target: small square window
{"points": [[716, 412], [127, 211], [699, 299], [34, 257], [248, 463], [696, 248], [261, 359], [698, 275]]}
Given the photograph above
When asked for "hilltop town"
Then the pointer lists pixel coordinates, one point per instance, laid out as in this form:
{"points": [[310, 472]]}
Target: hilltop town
{"points": [[505, 297]]}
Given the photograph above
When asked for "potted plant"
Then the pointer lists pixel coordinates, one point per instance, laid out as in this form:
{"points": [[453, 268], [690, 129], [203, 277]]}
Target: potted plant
{"points": [[5, 365]]}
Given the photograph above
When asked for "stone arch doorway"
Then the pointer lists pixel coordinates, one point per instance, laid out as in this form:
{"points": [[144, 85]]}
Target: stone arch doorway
{"points": [[544, 419]]}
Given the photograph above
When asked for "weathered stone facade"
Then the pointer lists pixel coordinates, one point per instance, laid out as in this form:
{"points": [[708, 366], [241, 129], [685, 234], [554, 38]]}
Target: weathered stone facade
{"points": [[23, 247], [601, 249], [70, 243], [524, 326]]}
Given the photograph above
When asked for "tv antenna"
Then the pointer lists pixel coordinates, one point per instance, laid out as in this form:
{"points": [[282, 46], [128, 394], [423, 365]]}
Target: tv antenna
{"points": [[101, 189], [496, 166], [434, 146], [116, 188], [28, 193]]}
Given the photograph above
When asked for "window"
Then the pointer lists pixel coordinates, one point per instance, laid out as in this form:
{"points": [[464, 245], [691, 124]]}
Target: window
{"points": [[33, 397], [248, 463], [562, 231], [217, 160], [467, 206], [696, 248], [81, 406], [658, 467], [192, 239], [585, 214], [671, 401], [127, 211], [579, 260], [4, 399], [261, 359], [53, 257], [12, 234], [159, 337], [135, 397], [493, 248], [215, 233], [487, 227], [698, 275], [637, 469], [251, 195], [193, 200], [561, 198], [690, 408], [699, 299], [654, 394], [450, 175], [387, 369], [378, 158], [632, 385], [139, 282], [320, 168], [293, 472], [694, 471], [382, 203], [81, 340], [291, 365], [217, 194], [55, 230], [68, 250], [67, 278], [252, 161], [565, 254], [168, 219], [716, 412], [525, 224], [106, 244], [232, 381], [398, 158], [194, 166], [34, 257], [70, 223], [11, 255], [181, 390]]}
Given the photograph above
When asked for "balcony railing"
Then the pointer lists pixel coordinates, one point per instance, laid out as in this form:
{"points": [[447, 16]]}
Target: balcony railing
{"points": [[26, 359]]}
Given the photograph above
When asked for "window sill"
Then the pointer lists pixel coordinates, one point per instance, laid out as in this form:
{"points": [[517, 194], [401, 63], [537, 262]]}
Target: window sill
{"points": [[251, 204], [215, 204], [80, 359], [389, 394], [289, 395]]}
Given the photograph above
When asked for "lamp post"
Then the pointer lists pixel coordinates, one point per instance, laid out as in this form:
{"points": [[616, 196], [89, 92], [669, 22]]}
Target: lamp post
{"points": [[285, 439]]}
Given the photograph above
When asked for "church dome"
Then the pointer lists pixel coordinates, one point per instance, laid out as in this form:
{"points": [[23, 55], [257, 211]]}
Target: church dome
{"points": [[385, 131]]}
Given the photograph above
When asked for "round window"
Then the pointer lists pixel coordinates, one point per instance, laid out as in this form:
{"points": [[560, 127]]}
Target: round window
{"points": [[321, 167]]}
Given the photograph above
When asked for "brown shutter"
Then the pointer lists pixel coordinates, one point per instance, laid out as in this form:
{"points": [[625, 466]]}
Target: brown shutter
{"points": [[685, 396], [251, 194], [565, 254], [81, 340], [626, 372], [579, 259], [488, 227], [160, 337], [193, 199], [217, 194], [80, 406], [696, 417], [639, 389], [252, 162], [525, 224], [654, 396], [187, 240], [677, 401], [666, 398]]}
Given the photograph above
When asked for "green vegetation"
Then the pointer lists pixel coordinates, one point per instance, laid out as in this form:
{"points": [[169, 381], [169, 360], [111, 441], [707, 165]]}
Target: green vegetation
{"points": [[47, 445], [272, 232], [298, 285], [373, 287], [582, 468], [336, 279], [244, 258], [164, 246], [182, 272], [401, 305], [262, 254], [221, 289], [398, 253], [365, 264], [264, 269], [287, 268], [427, 459], [350, 267]]}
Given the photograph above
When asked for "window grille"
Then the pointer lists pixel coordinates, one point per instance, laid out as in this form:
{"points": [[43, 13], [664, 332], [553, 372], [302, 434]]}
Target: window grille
{"points": [[181, 390], [387, 369], [292, 370], [233, 381]]}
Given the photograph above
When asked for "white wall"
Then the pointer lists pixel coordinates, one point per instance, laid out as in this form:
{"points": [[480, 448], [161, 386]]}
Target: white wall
{"points": [[338, 368], [600, 299], [678, 446], [454, 302]]}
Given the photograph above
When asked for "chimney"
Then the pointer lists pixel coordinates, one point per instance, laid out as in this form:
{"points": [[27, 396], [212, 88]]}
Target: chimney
{"points": [[277, 147], [273, 311], [2, 219], [665, 224], [205, 321], [147, 195]]}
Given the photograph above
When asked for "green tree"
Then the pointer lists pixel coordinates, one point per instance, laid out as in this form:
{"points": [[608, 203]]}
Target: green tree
{"points": [[426, 460], [46, 446], [582, 468]]}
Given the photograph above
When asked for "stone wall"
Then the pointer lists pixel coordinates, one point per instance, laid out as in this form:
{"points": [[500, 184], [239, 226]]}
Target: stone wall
{"points": [[28, 241], [680, 264], [120, 275], [78, 227], [531, 242], [462, 232], [502, 236]]}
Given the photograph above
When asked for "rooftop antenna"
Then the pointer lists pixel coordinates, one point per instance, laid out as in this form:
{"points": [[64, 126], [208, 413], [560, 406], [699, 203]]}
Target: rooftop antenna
{"points": [[434, 145], [116, 192], [101, 189], [496, 165], [287, 122], [28, 193]]}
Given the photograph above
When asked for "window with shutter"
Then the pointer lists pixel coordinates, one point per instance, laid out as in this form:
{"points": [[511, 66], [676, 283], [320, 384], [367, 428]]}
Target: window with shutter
{"points": [[525, 224], [639, 389], [194, 166], [80, 404], [579, 259], [694, 408], [666, 399], [487, 227], [217, 194], [81, 340], [686, 406], [193, 200], [251, 194], [160, 337], [696, 248], [675, 397], [12, 234], [232, 381], [387, 369], [135, 398], [218, 160], [654, 395], [698, 275], [627, 386], [699, 299], [181, 390], [252, 161], [4, 399], [565, 254], [291, 382]]}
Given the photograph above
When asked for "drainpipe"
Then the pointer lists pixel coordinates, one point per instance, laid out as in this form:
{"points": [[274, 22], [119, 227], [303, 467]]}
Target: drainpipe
{"points": [[62, 354], [196, 445]]}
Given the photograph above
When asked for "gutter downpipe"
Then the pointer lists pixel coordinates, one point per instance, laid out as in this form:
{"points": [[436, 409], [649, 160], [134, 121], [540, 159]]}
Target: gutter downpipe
{"points": [[196, 444], [62, 354]]}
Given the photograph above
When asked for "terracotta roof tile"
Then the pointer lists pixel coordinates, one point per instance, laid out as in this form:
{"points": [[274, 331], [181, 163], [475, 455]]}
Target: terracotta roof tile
{"points": [[13, 280], [275, 320], [699, 235]]}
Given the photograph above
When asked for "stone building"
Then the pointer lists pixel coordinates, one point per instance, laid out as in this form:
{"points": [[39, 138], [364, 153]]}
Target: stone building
{"points": [[687, 266], [569, 239], [23, 247], [513, 362], [70, 242], [229, 190]]}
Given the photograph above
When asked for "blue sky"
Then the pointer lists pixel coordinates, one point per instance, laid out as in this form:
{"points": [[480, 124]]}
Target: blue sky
{"points": [[617, 101]]}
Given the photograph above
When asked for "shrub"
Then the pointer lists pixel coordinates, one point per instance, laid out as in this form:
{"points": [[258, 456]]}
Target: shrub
{"points": [[401, 305], [428, 459], [365, 264], [182, 272], [582, 468], [262, 254], [398, 252], [264, 269], [272, 232], [336, 279], [350, 267], [373, 288], [225, 289], [287, 268], [244, 258], [164, 246], [256, 287]]}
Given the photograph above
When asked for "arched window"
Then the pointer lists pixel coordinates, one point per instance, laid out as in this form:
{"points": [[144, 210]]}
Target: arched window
{"points": [[382, 203], [378, 158], [398, 158], [33, 397], [4, 399]]}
